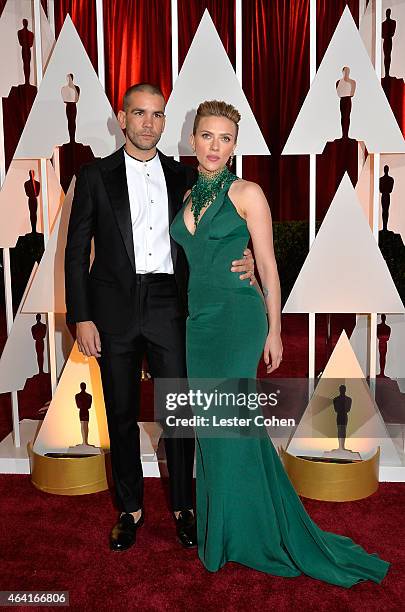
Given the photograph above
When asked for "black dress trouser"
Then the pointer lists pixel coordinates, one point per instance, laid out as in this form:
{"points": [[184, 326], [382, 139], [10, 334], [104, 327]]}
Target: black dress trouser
{"points": [[157, 331]]}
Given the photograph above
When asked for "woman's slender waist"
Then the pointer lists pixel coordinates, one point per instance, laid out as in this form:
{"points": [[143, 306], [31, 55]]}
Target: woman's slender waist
{"points": [[203, 292], [218, 278]]}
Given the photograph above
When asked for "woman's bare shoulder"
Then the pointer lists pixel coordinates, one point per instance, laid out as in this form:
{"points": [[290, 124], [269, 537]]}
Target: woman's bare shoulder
{"points": [[244, 191]]}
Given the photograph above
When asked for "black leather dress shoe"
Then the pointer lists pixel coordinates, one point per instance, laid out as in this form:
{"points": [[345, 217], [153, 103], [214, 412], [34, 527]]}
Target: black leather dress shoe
{"points": [[186, 529], [123, 534]]}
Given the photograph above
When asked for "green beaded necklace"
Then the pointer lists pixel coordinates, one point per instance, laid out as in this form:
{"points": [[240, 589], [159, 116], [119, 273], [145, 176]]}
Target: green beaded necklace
{"points": [[207, 188]]}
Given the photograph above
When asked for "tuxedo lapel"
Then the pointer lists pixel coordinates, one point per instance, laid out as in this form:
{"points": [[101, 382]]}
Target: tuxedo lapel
{"points": [[115, 181], [171, 178]]}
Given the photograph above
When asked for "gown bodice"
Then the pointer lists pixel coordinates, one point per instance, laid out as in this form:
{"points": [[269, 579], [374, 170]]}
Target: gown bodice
{"points": [[220, 237]]}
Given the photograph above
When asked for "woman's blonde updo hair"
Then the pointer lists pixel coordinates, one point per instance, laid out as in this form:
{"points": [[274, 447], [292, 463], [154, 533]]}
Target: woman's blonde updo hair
{"points": [[217, 108]]}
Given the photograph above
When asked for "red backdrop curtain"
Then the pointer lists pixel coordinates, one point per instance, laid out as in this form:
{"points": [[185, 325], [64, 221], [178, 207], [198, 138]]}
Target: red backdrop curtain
{"points": [[83, 15], [189, 16], [137, 41], [137, 38], [275, 81]]}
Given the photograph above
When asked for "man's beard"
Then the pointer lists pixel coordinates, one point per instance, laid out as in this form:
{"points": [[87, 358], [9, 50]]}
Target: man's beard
{"points": [[142, 146]]}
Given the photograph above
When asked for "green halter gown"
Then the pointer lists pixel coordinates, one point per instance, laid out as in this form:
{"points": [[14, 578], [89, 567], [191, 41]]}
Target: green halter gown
{"points": [[247, 509]]}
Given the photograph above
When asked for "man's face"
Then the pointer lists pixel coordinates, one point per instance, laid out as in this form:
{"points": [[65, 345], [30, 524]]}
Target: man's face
{"points": [[143, 120]]}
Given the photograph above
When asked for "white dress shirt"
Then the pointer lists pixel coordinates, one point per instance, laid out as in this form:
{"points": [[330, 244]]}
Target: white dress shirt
{"points": [[149, 215]]}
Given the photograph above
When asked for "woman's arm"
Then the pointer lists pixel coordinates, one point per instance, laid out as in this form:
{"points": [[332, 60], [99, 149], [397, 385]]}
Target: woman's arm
{"points": [[252, 205]]}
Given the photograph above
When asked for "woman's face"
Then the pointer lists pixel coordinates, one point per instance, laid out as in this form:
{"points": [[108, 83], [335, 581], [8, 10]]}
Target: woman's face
{"points": [[214, 142]]}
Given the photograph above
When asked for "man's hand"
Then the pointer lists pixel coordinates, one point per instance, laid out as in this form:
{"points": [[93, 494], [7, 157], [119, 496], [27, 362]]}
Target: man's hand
{"points": [[246, 266], [88, 339]]}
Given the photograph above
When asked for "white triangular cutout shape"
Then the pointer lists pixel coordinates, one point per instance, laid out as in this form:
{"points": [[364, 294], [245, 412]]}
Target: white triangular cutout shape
{"points": [[19, 360], [344, 270], [343, 363], [316, 433], [207, 74], [18, 194], [15, 40], [371, 117], [392, 181], [47, 123], [61, 429], [47, 292]]}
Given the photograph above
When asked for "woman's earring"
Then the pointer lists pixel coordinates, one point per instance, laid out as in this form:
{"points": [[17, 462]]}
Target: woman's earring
{"points": [[230, 160]]}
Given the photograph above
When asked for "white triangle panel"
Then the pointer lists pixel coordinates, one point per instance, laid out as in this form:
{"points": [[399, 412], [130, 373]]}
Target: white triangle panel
{"points": [[344, 270], [47, 123], [316, 432], [371, 117], [344, 363], [61, 429], [47, 292], [207, 74]]}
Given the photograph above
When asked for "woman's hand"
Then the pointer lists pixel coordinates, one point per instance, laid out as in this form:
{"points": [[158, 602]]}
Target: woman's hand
{"points": [[273, 352]]}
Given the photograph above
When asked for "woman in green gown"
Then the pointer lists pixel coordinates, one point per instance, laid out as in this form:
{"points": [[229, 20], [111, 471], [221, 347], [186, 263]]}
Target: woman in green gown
{"points": [[247, 509]]}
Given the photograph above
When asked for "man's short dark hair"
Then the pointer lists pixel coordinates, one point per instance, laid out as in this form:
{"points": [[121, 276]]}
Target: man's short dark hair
{"points": [[148, 87]]}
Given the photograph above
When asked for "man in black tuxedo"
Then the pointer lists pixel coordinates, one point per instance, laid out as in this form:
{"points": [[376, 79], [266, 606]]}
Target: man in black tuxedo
{"points": [[133, 301]]}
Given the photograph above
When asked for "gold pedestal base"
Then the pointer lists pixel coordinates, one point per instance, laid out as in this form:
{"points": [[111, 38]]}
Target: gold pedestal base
{"points": [[68, 475], [328, 481]]}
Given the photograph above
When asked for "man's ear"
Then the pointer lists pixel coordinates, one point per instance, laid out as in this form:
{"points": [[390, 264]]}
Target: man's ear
{"points": [[122, 119]]}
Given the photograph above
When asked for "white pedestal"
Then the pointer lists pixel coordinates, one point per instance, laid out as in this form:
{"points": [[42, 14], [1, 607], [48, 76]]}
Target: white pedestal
{"points": [[15, 460]]}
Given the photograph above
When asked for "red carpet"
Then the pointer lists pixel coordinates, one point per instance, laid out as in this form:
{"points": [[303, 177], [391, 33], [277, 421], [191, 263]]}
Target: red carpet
{"points": [[60, 543]]}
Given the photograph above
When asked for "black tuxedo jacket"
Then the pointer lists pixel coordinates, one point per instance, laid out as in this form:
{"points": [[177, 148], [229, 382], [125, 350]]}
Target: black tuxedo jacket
{"points": [[101, 209]]}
